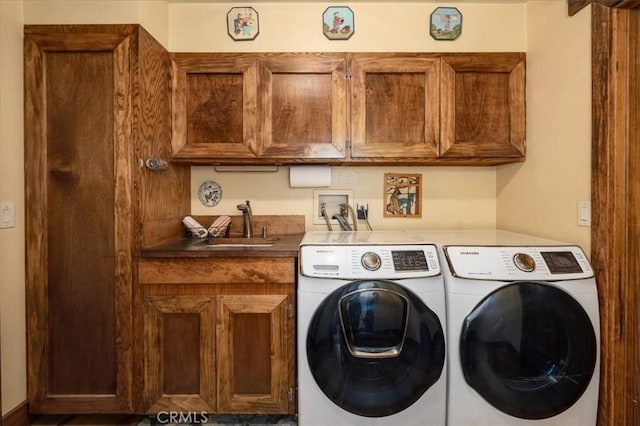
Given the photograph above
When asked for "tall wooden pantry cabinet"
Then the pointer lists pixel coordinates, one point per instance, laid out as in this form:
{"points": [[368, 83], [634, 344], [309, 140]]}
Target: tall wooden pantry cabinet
{"points": [[97, 105]]}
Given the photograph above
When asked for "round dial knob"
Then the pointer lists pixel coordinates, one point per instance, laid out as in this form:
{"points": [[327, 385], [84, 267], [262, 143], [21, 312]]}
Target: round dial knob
{"points": [[524, 262], [371, 261]]}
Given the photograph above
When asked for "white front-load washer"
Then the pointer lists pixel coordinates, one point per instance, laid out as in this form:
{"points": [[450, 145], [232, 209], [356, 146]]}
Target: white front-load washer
{"points": [[523, 332], [370, 330]]}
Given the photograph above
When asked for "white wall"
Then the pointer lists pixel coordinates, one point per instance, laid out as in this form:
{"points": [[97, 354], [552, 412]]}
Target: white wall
{"points": [[378, 26], [152, 14], [453, 197], [540, 196], [12, 273]]}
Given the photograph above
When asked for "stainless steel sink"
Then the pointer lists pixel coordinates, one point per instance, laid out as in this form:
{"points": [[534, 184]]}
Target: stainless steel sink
{"points": [[240, 242]]}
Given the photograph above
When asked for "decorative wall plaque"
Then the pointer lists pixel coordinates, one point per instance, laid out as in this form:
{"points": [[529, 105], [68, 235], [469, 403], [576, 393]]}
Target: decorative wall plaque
{"points": [[445, 23], [402, 195], [242, 23], [338, 23], [209, 193]]}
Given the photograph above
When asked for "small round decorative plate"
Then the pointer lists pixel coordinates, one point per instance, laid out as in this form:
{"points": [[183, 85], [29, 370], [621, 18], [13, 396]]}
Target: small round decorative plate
{"points": [[210, 193]]}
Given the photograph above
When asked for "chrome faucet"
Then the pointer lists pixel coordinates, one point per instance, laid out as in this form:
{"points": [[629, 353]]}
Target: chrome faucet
{"points": [[247, 215]]}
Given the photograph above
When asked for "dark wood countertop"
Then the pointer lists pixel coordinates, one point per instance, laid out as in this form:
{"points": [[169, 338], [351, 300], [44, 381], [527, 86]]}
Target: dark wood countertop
{"points": [[285, 245]]}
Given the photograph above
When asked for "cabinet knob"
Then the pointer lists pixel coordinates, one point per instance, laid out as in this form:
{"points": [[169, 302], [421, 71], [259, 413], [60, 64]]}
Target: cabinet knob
{"points": [[156, 164]]}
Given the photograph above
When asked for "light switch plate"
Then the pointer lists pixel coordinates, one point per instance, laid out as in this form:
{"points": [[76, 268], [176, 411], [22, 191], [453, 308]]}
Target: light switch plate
{"points": [[584, 213], [7, 215]]}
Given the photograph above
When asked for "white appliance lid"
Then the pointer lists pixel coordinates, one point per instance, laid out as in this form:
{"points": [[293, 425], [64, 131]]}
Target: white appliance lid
{"points": [[359, 237], [509, 263]]}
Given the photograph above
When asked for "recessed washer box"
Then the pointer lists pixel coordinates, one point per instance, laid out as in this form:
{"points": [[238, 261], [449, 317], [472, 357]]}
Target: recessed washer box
{"points": [[332, 198]]}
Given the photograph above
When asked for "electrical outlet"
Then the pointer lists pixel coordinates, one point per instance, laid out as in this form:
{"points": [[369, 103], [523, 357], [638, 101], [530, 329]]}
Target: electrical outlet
{"points": [[362, 209]]}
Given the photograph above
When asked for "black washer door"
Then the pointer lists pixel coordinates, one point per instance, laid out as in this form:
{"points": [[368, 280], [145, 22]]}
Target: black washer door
{"points": [[529, 349], [374, 348]]}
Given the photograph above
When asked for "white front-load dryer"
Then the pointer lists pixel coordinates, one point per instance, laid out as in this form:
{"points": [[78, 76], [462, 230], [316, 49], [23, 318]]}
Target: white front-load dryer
{"points": [[371, 331], [523, 335]]}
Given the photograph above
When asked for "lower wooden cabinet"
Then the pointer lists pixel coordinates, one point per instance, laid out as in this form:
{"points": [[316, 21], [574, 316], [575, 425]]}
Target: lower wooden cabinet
{"points": [[252, 353], [179, 353], [219, 347]]}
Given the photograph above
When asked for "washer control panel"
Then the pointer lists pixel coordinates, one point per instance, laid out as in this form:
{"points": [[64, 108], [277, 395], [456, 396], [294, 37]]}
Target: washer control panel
{"points": [[551, 263], [369, 261]]}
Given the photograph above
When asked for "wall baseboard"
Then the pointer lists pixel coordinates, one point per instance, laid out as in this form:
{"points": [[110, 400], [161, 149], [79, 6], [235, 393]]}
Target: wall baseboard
{"points": [[19, 416]]}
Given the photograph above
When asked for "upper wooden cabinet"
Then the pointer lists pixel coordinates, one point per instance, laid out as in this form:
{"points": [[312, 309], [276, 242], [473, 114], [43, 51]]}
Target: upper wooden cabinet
{"points": [[483, 106], [395, 107], [246, 107], [349, 108], [214, 106], [303, 101]]}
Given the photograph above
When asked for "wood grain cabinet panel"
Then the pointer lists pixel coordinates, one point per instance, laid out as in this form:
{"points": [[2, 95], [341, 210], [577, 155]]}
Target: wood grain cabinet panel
{"points": [[349, 108], [257, 108], [395, 107], [96, 104], [214, 106], [219, 334], [252, 354], [483, 106], [78, 288], [179, 352], [303, 101]]}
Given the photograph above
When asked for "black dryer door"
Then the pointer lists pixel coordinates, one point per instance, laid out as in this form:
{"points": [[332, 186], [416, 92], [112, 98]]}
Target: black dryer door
{"points": [[529, 349], [374, 348]]}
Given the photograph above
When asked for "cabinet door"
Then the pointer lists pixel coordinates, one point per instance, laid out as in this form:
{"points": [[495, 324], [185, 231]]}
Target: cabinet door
{"points": [[179, 353], [303, 101], [483, 106], [214, 107], [253, 354], [395, 109], [79, 217]]}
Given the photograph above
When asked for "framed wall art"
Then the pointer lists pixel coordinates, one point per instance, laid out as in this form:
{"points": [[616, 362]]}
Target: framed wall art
{"points": [[242, 23], [402, 195], [338, 23], [445, 23]]}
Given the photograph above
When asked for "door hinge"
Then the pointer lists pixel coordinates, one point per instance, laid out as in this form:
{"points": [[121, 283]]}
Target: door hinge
{"points": [[348, 73], [348, 144], [290, 394], [289, 311]]}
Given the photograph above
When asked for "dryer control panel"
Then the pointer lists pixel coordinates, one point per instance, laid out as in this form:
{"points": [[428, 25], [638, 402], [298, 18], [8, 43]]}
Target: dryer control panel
{"points": [[552, 263], [369, 261]]}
